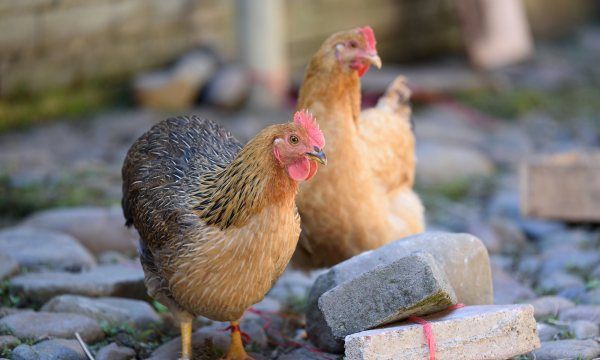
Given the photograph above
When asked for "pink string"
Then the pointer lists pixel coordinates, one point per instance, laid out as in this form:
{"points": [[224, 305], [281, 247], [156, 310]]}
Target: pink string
{"points": [[236, 328], [287, 341], [428, 331]]}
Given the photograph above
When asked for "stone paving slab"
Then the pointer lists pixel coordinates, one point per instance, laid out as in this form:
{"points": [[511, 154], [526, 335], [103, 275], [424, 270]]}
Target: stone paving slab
{"points": [[113, 311], [568, 349], [55, 349], [98, 229], [492, 332], [41, 325], [576, 174], [106, 280], [37, 249], [386, 294]]}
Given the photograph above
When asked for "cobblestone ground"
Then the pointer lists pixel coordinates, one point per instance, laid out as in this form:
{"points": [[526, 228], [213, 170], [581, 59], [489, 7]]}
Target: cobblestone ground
{"points": [[550, 104]]}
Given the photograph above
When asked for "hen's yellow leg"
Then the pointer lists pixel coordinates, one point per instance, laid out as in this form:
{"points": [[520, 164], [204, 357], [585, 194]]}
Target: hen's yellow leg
{"points": [[236, 349], [186, 340]]}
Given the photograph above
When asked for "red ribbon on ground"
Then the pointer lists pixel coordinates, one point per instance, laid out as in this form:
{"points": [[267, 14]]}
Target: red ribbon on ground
{"points": [[288, 342], [428, 331], [234, 328]]}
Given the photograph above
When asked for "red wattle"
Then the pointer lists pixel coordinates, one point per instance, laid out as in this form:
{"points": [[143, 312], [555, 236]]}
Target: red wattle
{"points": [[313, 169], [300, 170], [363, 69]]}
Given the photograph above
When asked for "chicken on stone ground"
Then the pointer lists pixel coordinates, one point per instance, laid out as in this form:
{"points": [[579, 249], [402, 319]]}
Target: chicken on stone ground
{"points": [[364, 199], [217, 221]]}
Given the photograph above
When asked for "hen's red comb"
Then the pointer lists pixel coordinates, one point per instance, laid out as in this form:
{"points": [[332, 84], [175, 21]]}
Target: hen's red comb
{"points": [[307, 120], [369, 37]]}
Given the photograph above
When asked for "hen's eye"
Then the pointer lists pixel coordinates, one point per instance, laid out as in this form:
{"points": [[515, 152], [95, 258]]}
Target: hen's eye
{"points": [[294, 140], [353, 44]]}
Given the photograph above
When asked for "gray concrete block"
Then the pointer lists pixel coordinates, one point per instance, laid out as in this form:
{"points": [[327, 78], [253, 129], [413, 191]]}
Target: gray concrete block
{"points": [[462, 257], [412, 285]]}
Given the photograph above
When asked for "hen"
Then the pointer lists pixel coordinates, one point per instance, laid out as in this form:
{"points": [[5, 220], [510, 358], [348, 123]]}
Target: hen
{"points": [[364, 198], [218, 222]]}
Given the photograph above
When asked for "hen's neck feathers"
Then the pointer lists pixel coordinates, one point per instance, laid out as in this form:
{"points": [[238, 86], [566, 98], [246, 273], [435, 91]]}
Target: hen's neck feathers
{"points": [[230, 196], [328, 83]]}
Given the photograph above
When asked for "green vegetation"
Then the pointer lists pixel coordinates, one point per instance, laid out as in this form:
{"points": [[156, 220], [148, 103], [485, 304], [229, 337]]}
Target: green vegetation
{"points": [[143, 341], [296, 304], [451, 201], [24, 108], [566, 103], [5, 352], [592, 284], [461, 189], [503, 104], [6, 298], [160, 308]]}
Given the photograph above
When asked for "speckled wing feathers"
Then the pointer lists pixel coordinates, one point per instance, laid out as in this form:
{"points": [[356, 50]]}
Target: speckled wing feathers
{"points": [[162, 171]]}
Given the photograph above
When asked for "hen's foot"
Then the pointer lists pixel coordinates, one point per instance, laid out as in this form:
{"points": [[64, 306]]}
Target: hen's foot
{"points": [[236, 349]]}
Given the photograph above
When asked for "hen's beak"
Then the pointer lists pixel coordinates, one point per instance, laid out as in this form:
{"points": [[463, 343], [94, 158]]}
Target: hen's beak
{"points": [[317, 155], [374, 59]]}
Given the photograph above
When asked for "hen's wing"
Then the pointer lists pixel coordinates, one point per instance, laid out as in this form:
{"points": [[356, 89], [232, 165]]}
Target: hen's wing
{"points": [[386, 132], [162, 170]]}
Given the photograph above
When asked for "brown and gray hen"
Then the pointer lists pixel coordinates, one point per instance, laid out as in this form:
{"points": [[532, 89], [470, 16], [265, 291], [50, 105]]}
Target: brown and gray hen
{"points": [[217, 221]]}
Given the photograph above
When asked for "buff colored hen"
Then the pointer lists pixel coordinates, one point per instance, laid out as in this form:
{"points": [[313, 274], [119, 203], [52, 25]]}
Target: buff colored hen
{"points": [[364, 198]]}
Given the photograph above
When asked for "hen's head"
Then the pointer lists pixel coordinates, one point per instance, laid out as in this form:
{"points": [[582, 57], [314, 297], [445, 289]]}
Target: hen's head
{"points": [[298, 146], [352, 50]]}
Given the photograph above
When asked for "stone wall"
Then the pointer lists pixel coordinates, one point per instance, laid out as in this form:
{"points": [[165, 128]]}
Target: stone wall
{"points": [[49, 43], [53, 43], [406, 29]]}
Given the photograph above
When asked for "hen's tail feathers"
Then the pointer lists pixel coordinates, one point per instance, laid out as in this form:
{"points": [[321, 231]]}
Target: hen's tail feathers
{"points": [[396, 98]]}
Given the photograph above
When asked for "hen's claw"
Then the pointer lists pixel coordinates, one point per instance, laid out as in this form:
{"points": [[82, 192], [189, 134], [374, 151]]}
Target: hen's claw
{"points": [[236, 349]]}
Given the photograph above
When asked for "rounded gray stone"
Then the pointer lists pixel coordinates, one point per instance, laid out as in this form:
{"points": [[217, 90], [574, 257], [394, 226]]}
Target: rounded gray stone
{"points": [[581, 312], [113, 311], [40, 325], [113, 351], [8, 266], [550, 306], [507, 290], [567, 258], [98, 229], [547, 332], [37, 249], [583, 329], [105, 280], [560, 281], [304, 353], [591, 297], [445, 164], [509, 233], [57, 349], [567, 349]]}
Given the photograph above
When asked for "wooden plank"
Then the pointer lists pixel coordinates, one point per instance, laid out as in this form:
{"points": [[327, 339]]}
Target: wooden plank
{"points": [[562, 187]]}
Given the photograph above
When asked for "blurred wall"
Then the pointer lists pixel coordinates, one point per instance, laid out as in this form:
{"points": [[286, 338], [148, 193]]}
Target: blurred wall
{"points": [[405, 29], [50, 43]]}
